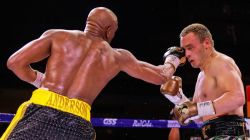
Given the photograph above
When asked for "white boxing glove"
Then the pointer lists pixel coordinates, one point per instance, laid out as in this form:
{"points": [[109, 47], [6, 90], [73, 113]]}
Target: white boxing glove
{"points": [[175, 56]]}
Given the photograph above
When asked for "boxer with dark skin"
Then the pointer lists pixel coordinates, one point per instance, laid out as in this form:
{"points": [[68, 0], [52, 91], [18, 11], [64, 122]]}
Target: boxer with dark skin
{"points": [[79, 66], [80, 63]]}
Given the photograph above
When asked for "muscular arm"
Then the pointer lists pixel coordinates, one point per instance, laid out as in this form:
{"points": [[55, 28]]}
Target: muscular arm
{"points": [[32, 52], [229, 80], [218, 91], [142, 70]]}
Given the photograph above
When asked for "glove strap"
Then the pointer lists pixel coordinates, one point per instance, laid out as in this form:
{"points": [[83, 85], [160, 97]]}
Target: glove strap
{"points": [[177, 99], [167, 69], [187, 121], [172, 59], [39, 79], [205, 108]]}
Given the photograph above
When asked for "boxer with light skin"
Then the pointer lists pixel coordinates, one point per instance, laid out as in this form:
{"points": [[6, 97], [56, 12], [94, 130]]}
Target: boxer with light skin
{"points": [[79, 65], [219, 94]]}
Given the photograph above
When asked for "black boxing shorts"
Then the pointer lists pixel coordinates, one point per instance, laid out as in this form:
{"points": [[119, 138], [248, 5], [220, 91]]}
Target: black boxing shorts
{"points": [[228, 127], [50, 116]]}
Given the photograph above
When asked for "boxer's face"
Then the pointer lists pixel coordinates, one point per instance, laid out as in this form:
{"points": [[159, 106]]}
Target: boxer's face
{"points": [[193, 49]]}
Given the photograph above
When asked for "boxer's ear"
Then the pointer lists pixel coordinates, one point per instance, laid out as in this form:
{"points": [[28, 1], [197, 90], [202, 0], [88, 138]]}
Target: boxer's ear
{"points": [[207, 43], [110, 34]]}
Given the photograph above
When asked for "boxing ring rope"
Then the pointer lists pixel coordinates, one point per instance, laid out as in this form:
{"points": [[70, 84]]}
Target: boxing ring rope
{"points": [[129, 123], [122, 122]]}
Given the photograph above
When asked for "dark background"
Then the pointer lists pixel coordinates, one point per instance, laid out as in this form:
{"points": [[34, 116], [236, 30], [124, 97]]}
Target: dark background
{"points": [[146, 29]]}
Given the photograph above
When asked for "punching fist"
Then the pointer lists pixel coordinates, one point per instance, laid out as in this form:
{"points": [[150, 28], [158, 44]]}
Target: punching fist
{"points": [[172, 90], [187, 110], [175, 56]]}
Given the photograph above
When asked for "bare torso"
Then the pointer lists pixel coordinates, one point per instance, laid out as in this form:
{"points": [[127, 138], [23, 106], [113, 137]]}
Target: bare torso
{"points": [[208, 87], [79, 66]]}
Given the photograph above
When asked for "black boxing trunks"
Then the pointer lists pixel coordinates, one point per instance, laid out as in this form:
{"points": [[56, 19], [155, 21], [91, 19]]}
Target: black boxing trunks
{"points": [[50, 116], [228, 127]]}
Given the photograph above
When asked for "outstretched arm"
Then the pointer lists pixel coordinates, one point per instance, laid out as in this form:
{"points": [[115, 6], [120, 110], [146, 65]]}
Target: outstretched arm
{"points": [[143, 70]]}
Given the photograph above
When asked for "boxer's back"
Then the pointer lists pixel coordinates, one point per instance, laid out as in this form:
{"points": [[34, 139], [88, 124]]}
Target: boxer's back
{"points": [[79, 65]]}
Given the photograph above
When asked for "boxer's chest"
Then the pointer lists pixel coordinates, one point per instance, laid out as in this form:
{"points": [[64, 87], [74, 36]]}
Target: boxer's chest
{"points": [[206, 88]]}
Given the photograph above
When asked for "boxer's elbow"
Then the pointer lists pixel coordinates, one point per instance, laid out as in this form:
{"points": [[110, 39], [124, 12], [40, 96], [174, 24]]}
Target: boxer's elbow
{"points": [[13, 63], [240, 99]]}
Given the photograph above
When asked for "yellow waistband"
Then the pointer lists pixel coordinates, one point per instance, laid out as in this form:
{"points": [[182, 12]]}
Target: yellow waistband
{"points": [[60, 102]]}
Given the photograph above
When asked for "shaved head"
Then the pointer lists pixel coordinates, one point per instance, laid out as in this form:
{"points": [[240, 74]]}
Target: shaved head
{"points": [[102, 22], [103, 16]]}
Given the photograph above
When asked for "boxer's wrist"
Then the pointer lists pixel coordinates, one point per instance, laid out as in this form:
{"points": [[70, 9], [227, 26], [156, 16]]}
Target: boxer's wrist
{"points": [[173, 60], [205, 108], [167, 70], [177, 99], [187, 121], [39, 79], [182, 97]]}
